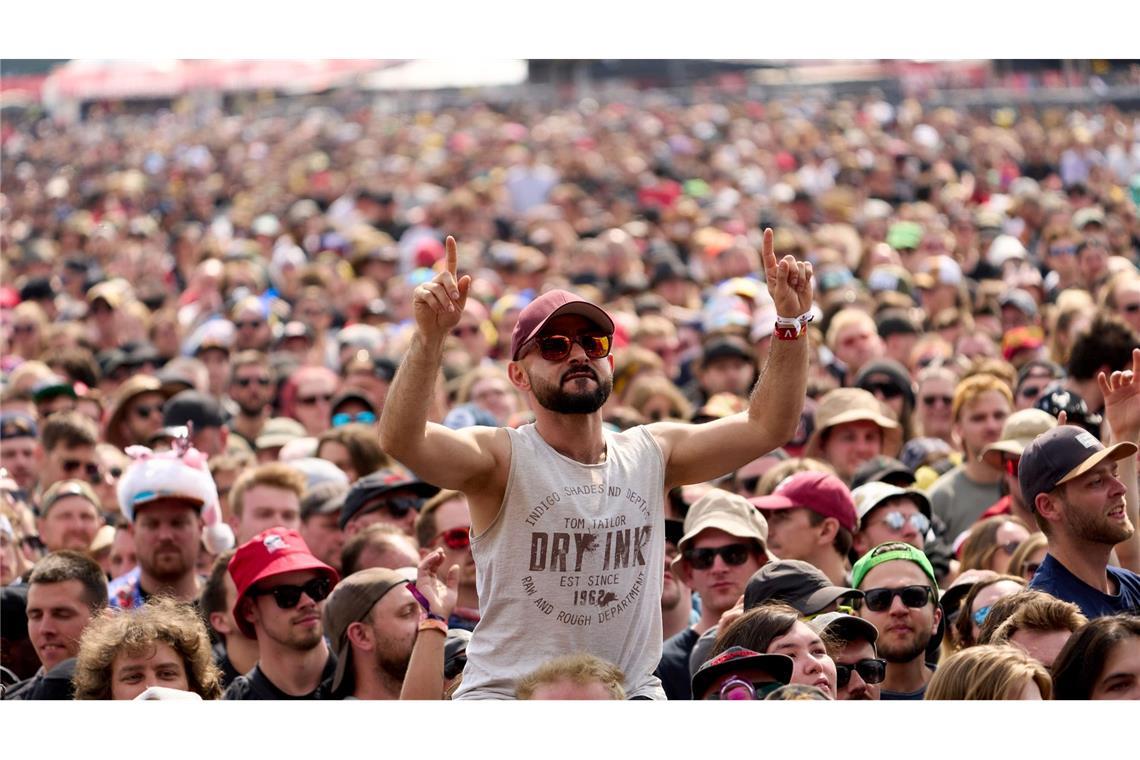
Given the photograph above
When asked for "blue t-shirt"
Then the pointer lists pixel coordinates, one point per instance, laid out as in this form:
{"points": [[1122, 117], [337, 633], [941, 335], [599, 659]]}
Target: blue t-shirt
{"points": [[1054, 578]]}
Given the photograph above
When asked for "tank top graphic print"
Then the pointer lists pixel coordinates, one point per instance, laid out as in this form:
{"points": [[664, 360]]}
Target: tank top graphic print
{"points": [[572, 563]]}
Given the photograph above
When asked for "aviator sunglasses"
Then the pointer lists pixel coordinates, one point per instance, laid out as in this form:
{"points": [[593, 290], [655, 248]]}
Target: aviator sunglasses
{"points": [[555, 348]]}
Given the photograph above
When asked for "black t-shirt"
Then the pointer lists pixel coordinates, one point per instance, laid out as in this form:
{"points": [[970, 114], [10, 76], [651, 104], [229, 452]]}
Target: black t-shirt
{"points": [[255, 685], [673, 669], [222, 660]]}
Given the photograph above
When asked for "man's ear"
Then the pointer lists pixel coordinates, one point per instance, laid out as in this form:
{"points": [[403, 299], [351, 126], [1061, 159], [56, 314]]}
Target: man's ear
{"points": [[248, 611], [859, 543], [684, 572], [220, 624], [1048, 507], [518, 376], [827, 530], [360, 636], [937, 619]]}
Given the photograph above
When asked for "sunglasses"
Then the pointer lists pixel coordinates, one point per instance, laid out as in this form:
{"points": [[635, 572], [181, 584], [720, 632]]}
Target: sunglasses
{"points": [[462, 330], [344, 418], [880, 599], [732, 554], [144, 411], [245, 382], [1029, 391], [887, 390], [1066, 250], [398, 507], [871, 670], [749, 484], [456, 538], [311, 400], [555, 348], [980, 615], [897, 520], [92, 469], [1009, 464], [23, 328], [253, 324], [934, 399], [287, 595], [737, 688]]}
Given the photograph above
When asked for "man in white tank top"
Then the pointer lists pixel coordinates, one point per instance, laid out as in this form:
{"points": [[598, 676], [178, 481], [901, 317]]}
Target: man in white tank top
{"points": [[567, 519]]}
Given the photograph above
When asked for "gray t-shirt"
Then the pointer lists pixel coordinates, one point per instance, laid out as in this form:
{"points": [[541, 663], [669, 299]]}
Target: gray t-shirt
{"points": [[960, 501], [572, 563]]}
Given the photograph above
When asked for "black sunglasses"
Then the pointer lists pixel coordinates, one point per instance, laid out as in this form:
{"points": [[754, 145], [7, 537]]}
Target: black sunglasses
{"points": [[146, 410], [880, 599], [92, 469], [888, 390], [245, 382], [555, 348], [871, 670], [930, 400], [398, 507], [732, 554], [287, 595]]}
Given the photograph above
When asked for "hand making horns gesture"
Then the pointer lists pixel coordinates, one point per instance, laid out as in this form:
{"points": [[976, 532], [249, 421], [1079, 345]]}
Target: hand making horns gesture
{"points": [[789, 281], [438, 304]]}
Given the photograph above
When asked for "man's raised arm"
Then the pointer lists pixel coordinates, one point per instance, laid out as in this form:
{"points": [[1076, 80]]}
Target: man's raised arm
{"points": [[696, 453], [1121, 392], [443, 457]]}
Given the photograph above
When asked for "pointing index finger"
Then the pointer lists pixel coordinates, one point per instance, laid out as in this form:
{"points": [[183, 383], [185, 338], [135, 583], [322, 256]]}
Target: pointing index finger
{"points": [[769, 255], [452, 256]]}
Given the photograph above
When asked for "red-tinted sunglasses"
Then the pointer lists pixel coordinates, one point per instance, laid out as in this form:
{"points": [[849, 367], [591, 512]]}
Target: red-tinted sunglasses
{"points": [[456, 538], [555, 348], [1010, 466]]}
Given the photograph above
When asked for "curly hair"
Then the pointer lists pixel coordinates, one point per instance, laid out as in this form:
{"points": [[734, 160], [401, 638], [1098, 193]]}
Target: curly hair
{"points": [[133, 632]]}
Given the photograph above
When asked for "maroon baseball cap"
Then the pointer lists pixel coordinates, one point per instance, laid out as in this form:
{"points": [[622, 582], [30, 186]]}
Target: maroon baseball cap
{"points": [[275, 551], [551, 304], [821, 492]]}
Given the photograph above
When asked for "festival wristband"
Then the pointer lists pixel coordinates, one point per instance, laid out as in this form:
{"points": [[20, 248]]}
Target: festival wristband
{"points": [[791, 328], [434, 625], [419, 597]]}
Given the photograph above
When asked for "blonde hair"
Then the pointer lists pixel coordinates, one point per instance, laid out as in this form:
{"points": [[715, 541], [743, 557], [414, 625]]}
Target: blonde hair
{"points": [[580, 668], [1029, 546], [135, 631], [844, 318], [788, 468], [975, 385], [646, 387], [981, 545], [988, 672]]}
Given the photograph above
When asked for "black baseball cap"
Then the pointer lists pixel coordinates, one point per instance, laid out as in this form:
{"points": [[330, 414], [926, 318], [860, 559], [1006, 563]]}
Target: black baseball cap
{"points": [[364, 495], [1062, 454], [798, 583], [885, 469], [202, 409]]}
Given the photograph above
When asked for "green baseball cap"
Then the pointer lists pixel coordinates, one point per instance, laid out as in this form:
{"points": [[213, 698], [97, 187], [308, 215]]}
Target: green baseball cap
{"points": [[887, 552]]}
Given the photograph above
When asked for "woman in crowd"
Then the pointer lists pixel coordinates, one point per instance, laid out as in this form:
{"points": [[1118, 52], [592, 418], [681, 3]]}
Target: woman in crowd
{"points": [[990, 672], [163, 643], [976, 606], [1101, 661], [777, 629], [992, 543]]}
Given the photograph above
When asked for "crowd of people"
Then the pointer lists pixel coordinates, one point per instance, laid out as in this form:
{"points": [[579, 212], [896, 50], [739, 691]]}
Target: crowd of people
{"points": [[687, 396]]}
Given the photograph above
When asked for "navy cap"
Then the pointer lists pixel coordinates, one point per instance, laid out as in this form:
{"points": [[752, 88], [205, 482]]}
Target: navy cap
{"points": [[1062, 454], [193, 406]]}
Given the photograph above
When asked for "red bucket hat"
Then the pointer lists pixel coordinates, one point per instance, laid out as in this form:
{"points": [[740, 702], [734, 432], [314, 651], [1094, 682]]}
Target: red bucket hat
{"points": [[549, 305], [271, 552]]}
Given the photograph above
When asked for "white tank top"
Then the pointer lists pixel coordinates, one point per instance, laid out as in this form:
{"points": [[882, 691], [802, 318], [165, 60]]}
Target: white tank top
{"points": [[572, 563]]}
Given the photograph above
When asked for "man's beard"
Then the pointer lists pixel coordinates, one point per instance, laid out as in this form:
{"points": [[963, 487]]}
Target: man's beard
{"points": [[251, 410], [394, 664], [170, 568], [1096, 529], [905, 652], [556, 399]]}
